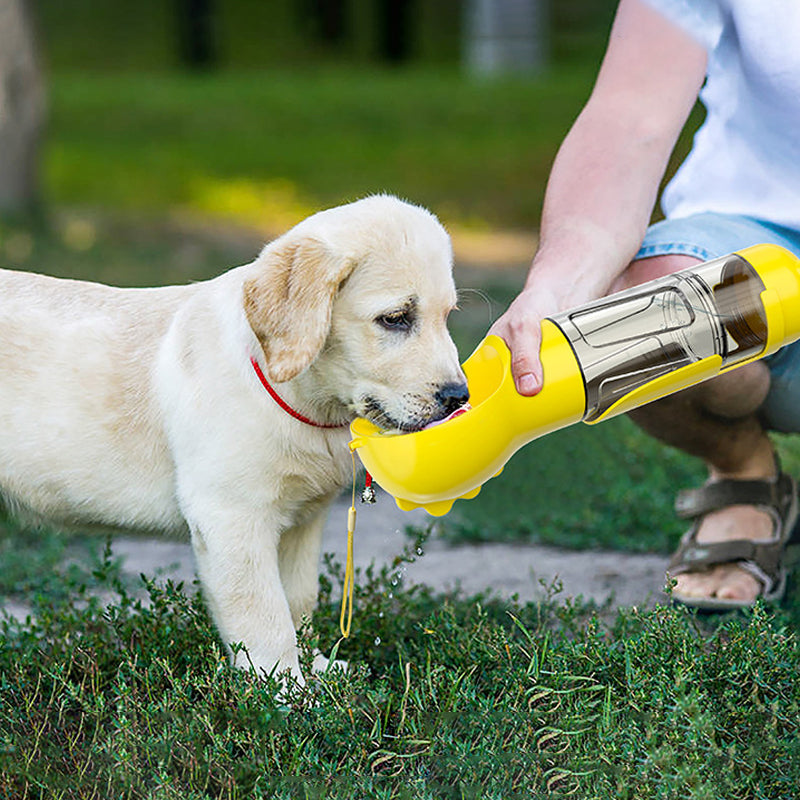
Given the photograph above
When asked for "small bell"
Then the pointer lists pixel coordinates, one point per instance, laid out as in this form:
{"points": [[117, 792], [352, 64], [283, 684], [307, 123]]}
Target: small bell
{"points": [[368, 495]]}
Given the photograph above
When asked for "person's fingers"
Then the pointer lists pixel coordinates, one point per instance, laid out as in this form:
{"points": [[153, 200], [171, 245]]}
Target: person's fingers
{"points": [[526, 366], [520, 328]]}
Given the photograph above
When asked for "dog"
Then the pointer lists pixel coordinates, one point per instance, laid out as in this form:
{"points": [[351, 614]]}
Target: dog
{"points": [[222, 407]]}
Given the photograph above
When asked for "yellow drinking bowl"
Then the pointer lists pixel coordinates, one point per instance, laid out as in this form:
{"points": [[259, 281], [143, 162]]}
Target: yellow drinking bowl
{"points": [[434, 467]]}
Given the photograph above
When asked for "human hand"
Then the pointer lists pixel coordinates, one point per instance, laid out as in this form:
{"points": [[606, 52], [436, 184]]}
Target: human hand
{"points": [[521, 329]]}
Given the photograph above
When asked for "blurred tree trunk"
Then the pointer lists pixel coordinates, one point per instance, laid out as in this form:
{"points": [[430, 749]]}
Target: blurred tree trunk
{"points": [[330, 20], [22, 109], [395, 24], [197, 37], [506, 36]]}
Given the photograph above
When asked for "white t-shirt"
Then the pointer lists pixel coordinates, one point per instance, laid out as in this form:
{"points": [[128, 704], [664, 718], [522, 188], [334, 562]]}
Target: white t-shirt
{"points": [[746, 156]]}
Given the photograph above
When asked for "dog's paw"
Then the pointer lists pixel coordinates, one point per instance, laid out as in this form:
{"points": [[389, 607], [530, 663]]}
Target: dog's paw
{"points": [[321, 664]]}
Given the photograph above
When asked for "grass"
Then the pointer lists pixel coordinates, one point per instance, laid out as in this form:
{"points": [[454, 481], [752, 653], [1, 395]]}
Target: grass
{"points": [[269, 146], [447, 698], [122, 249]]}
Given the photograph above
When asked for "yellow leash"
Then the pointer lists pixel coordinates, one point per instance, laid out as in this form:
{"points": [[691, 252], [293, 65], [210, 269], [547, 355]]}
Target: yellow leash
{"points": [[347, 588]]}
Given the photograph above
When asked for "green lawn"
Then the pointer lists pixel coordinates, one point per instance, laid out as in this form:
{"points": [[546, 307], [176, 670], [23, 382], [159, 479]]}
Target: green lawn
{"points": [[446, 698], [270, 146]]}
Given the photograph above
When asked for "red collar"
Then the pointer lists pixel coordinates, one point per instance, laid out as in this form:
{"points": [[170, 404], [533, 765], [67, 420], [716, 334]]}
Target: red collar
{"points": [[285, 406]]}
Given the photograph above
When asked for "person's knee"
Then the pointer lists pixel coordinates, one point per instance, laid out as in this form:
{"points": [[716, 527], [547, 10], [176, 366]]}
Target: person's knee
{"points": [[730, 396], [735, 394], [716, 420]]}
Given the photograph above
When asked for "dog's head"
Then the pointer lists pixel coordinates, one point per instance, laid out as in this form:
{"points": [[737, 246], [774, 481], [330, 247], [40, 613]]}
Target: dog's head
{"points": [[358, 296]]}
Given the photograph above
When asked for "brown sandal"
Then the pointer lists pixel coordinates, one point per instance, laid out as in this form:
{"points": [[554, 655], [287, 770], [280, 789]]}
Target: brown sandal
{"points": [[764, 560]]}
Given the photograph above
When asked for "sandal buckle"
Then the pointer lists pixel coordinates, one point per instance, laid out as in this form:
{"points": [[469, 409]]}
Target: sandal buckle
{"points": [[696, 554]]}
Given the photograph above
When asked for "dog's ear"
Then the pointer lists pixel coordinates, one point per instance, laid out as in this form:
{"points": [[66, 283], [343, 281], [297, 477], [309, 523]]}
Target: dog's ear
{"points": [[288, 304]]}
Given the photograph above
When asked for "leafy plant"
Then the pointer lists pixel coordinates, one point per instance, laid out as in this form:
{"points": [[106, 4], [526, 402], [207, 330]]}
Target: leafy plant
{"points": [[464, 697]]}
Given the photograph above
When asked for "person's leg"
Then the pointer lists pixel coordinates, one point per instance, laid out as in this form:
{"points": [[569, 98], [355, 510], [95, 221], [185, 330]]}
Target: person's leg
{"points": [[718, 422]]}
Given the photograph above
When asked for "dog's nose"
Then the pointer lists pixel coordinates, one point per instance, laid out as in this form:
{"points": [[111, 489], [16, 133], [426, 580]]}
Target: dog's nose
{"points": [[452, 396]]}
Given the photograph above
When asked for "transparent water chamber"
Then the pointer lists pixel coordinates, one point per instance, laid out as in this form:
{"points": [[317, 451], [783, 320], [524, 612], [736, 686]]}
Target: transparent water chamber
{"points": [[646, 332]]}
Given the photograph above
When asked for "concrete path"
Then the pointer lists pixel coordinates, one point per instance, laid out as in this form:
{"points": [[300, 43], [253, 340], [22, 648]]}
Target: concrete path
{"points": [[504, 569]]}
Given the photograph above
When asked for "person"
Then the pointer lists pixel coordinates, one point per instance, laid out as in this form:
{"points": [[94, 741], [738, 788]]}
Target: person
{"points": [[739, 185]]}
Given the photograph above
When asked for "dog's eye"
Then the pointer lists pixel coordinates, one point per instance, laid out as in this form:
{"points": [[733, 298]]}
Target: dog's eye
{"points": [[396, 321]]}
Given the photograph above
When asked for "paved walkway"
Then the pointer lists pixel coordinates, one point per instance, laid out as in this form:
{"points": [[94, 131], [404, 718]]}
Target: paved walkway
{"points": [[504, 569]]}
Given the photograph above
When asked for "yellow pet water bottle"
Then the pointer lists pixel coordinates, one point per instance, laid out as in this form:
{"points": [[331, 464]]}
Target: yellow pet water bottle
{"points": [[599, 360]]}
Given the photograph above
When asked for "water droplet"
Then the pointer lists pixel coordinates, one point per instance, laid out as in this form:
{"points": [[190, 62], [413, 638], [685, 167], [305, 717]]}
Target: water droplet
{"points": [[420, 551], [391, 595], [380, 616], [377, 640]]}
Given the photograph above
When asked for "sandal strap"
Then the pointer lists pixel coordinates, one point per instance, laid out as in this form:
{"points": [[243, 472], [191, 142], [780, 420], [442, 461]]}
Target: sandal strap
{"points": [[694, 556], [763, 559], [693, 503]]}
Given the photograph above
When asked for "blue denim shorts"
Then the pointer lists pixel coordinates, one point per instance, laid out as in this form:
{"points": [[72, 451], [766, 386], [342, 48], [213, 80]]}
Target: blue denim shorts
{"points": [[707, 236]]}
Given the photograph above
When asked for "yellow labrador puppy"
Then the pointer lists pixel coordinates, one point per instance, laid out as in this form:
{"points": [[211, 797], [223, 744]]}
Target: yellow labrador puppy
{"points": [[223, 406]]}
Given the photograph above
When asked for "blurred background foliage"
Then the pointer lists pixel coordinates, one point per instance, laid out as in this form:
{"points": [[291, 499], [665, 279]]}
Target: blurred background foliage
{"points": [[180, 134], [254, 34], [261, 112]]}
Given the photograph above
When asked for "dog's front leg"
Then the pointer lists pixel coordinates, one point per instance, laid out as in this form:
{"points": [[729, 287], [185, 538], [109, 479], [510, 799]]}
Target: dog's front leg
{"points": [[298, 556], [238, 568], [298, 559]]}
